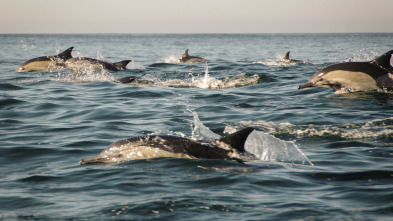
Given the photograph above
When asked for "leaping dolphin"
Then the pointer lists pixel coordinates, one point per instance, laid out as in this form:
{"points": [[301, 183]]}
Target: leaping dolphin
{"points": [[375, 75], [191, 59], [83, 62], [46, 63], [287, 59], [230, 147]]}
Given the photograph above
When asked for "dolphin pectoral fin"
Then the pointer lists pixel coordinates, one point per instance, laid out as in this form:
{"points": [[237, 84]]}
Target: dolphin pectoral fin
{"points": [[121, 65], [306, 85], [237, 140], [125, 80]]}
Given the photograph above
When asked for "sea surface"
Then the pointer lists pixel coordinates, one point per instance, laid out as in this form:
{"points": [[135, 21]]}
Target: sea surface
{"points": [[318, 155]]}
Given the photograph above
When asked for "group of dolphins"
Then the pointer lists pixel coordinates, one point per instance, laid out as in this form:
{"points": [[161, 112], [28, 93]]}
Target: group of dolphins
{"points": [[64, 60], [375, 75]]}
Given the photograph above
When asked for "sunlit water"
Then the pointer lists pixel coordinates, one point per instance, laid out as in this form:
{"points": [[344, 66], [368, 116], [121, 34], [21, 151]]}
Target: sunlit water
{"points": [[316, 155]]}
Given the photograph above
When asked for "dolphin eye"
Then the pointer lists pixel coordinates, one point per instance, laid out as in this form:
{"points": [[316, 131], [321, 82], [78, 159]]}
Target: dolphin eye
{"points": [[318, 80]]}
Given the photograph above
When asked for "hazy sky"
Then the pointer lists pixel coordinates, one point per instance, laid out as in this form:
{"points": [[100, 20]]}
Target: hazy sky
{"points": [[195, 16]]}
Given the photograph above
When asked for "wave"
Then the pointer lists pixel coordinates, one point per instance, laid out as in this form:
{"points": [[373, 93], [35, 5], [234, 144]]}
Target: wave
{"points": [[375, 129]]}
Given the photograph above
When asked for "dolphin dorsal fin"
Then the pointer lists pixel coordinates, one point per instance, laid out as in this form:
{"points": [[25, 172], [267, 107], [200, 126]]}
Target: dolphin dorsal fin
{"points": [[383, 60], [237, 140], [65, 55], [121, 65], [287, 55], [185, 54]]}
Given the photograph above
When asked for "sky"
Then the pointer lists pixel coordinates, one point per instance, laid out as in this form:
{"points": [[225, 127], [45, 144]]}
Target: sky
{"points": [[195, 16]]}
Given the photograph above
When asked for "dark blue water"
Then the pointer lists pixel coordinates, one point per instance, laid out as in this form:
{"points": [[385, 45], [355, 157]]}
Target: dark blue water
{"points": [[51, 120]]}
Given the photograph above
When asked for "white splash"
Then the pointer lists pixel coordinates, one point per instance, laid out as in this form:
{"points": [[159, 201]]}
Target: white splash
{"points": [[171, 59], [263, 146], [204, 82], [85, 75], [362, 56], [135, 65], [206, 78], [200, 131], [269, 148], [101, 57]]}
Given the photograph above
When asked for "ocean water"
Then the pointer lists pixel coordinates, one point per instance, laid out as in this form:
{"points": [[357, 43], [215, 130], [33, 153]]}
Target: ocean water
{"points": [[318, 155]]}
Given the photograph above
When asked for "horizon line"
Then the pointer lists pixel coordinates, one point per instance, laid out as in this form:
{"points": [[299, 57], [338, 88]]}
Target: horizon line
{"points": [[186, 33]]}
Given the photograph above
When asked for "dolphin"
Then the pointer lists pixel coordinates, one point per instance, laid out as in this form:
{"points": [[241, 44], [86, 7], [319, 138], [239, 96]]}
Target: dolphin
{"points": [[84, 62], [375, 75], [46, 63], [230, 147], [287, 59], [191, 59], [125, 80]]}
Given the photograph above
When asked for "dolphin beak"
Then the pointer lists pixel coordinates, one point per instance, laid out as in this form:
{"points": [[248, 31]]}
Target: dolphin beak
{"points": [[93, 160], [306, 85]]}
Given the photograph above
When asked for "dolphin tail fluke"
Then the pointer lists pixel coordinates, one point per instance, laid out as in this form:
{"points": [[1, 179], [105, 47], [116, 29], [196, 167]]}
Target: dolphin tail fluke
{"points": [[237, 140], [121, 65], [286, 57], [384, 60], [65, 55]]}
